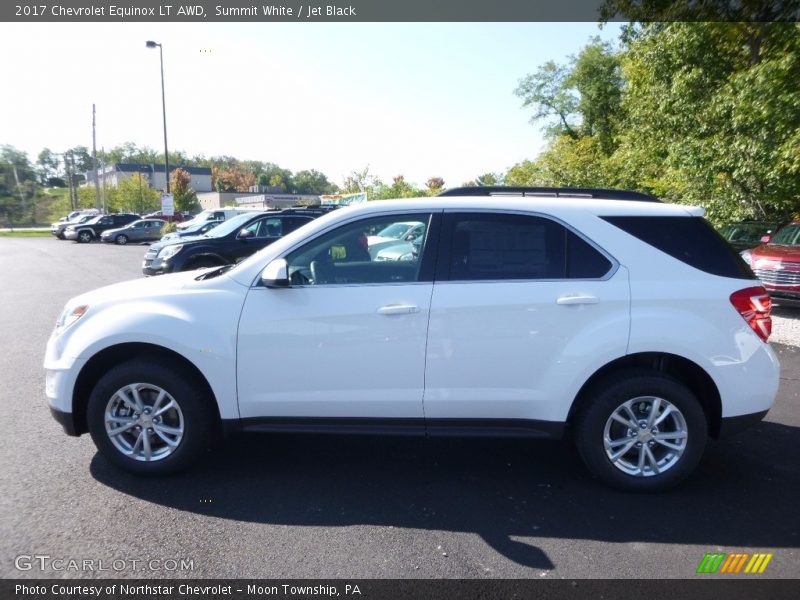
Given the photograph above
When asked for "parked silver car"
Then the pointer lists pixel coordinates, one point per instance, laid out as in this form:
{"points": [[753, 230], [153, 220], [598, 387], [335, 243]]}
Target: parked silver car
{"points": [[143, 230], [57, 229]]}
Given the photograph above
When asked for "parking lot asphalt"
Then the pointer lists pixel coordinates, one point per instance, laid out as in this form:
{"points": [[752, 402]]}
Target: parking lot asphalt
{"points": [[324, 507]]}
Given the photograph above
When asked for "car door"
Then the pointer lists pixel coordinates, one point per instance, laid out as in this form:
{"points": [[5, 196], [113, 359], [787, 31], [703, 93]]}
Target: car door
{"points": [[104, 223], [261, 232], [136, 231], [522, 308], [346, 339], [152, 229]]}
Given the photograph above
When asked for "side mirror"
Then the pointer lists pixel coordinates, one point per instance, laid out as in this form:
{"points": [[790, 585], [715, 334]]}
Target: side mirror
{"points": [[765, 239], [276, 274], [245, 234]]}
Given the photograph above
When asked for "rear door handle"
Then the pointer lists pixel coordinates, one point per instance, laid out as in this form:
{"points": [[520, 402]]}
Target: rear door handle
{"points": [[577, 299], [398, 309]]}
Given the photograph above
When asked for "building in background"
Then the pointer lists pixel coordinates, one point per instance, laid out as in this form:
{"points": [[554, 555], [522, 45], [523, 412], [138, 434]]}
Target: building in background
{"points": [[111, 175], [212, 200]]}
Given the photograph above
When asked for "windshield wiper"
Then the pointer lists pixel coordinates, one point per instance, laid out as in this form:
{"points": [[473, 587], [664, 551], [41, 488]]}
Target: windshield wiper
{"points": [[213, 272]]}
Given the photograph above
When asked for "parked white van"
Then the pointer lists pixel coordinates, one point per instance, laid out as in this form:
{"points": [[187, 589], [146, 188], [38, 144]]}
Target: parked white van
{"points": [[216, 214]]}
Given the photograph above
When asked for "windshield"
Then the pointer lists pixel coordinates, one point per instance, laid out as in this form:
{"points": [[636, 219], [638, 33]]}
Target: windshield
{"points": [[230, 225], [788, 236], [396, 230]]}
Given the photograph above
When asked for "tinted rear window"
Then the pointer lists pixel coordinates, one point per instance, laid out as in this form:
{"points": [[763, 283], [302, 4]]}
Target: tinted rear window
{"points": [[691, 240]]}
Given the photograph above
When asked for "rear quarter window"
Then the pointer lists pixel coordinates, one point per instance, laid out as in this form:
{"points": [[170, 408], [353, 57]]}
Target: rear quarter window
{"points": [[691, 240]]}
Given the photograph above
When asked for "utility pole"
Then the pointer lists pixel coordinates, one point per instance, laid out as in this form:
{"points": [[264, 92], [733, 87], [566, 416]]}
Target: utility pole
{"points": [[94, 163], [103, 166], [68, 171], [72, 178]]}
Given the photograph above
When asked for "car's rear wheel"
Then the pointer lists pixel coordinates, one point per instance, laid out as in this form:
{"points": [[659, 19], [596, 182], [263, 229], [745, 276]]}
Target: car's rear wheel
{"points": [[84, 237], [150, 417], [121, 239], [641, 431]]}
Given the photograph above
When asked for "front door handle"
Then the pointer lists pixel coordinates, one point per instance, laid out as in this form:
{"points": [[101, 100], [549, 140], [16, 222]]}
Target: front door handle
{"points": [[398, 309], [577, 299]]}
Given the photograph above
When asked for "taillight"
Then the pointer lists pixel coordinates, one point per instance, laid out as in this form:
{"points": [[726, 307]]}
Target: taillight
{"points": [[755, 306]]}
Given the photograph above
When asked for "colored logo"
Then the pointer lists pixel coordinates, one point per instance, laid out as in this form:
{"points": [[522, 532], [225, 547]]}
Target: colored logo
{"points": [[736, 562]]}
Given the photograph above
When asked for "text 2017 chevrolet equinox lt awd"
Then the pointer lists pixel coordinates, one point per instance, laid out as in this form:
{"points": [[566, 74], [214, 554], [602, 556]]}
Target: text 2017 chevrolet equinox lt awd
{"points": [[624, 321]]}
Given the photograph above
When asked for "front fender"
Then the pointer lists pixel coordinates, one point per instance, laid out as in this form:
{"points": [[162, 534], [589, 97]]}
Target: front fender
{"points": [[203, 332]]}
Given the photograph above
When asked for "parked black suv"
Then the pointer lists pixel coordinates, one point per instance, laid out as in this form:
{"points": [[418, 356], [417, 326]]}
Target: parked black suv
{"points": [[233, 240], [91, 230]]}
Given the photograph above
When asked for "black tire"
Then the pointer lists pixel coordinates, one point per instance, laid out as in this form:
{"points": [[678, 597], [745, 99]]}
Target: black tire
{"points": [[61, 236], [121, 239], [199, 417], [610, 395], [84, 237]]}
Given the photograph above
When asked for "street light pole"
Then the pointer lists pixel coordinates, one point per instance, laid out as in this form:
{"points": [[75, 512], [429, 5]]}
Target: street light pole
{"points": [[152, 44]]}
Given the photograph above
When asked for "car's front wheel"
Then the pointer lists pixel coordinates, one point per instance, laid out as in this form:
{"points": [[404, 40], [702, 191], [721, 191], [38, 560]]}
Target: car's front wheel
{"points": [[150, 417], [121, 239], [84, 237], [641, 431]]}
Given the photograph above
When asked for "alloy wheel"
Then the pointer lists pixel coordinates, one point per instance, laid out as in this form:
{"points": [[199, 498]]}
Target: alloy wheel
{"points": [[645, 436], [144, 422]]}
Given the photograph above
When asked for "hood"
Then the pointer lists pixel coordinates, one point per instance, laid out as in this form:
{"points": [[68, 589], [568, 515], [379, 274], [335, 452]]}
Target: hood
{"points": [[777, 252], [110, 232], [135, 289], [162, 243]]}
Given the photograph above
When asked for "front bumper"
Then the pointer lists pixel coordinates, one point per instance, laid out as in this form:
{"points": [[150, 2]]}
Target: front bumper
{"points": [[61, 375], [70, 234], [152, 265], [66, 421]]}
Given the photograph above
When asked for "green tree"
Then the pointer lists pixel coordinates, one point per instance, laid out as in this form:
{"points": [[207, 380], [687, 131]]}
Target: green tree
{"points": [[312, 182], [185, 198], [713, 118], [435, 186], [18, 187], [400, 188], [567, 162], [579, 99], [360, 181], [229, 177], [47, 164], [134, 194]]}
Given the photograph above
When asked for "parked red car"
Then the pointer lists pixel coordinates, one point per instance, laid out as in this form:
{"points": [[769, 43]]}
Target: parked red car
{"points": [[777, 263], [176, 218]]}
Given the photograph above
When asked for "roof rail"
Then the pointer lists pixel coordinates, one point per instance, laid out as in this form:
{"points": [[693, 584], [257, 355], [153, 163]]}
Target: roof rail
{"points": [[551, 192]]}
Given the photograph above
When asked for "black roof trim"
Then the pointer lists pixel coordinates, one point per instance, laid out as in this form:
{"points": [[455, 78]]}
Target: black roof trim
{"points": [[550, 192]]}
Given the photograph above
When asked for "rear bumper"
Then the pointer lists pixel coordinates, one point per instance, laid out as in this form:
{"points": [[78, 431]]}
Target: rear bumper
{"points": [[732, 425]]}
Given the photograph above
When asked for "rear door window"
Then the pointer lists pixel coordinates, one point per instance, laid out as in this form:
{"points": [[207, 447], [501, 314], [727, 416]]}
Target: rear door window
{"points": [[492, 246]]}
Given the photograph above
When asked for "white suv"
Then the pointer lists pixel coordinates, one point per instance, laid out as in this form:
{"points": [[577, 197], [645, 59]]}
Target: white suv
{"points": [[526, 312]]}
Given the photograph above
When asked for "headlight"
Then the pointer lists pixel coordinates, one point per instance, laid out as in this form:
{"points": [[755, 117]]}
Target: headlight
{"points": [[169, 251], [69, 316], [747, 256]]}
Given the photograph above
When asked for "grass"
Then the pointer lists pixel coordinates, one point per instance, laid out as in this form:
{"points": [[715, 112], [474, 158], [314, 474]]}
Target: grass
{"points": [[18, 233]]}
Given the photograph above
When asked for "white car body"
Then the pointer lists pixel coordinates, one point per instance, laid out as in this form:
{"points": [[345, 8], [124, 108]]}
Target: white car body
{"points": [[428, 353], [215, 214]]}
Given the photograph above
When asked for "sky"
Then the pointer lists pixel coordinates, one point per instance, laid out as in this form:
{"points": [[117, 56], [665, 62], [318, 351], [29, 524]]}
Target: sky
{"points": [[421, 99]]}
